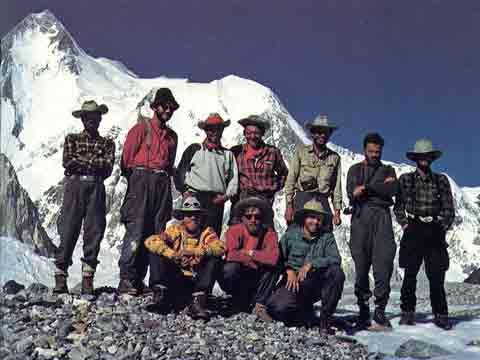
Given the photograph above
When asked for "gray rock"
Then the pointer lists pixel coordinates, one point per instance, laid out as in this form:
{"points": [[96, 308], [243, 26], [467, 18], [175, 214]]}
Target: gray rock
{"points": [[81, 353], [24, 345], [37, 290], [64, 328], [11, 287], [420, 350]]}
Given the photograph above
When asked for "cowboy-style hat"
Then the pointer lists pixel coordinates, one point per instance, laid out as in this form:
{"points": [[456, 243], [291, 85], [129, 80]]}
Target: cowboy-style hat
{"points": [[253, 201], [423, 149], [190, 205], [90, 106], [214, 119], [312, 207], [164, 96], [255, 120], [321, 121]]}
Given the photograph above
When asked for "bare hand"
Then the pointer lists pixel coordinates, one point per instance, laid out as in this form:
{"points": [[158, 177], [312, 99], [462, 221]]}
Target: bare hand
{"points": [[185, 262], [404, 227], [292, 281], [359, 190], [289, 214], [187, 194], [302, 273], [337, 220], [245, 252], [219, 199], [185, 252], [389, 180]]}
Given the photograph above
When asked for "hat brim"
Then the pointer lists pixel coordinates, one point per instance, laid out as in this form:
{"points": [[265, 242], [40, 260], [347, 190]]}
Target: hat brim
{"points": [[203, 124], [174, 104], [311, 126], [256, 202], [301, 214], [180, 213], [102, 109], [432, 155], [249, 122]]}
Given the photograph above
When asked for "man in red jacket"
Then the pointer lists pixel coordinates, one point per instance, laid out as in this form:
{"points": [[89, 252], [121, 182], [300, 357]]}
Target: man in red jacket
{"points": [[147, 163], [250, 272]]}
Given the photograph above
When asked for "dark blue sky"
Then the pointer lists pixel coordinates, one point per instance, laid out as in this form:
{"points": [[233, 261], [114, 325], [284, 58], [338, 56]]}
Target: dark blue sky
{"points": [[406, 69]]}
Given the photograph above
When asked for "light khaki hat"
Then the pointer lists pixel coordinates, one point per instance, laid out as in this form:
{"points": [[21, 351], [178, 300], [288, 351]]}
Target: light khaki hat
{"points": [[90, 106]]}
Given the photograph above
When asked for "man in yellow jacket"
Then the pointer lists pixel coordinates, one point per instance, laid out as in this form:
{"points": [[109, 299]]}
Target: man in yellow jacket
{"points": [[184, 261]]}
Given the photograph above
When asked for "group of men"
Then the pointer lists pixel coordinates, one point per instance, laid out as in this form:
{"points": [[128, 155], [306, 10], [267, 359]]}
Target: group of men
{"points": [[277, 280]]}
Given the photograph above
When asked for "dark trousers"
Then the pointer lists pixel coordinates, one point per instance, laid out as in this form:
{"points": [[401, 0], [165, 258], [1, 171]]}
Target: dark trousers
{"points": [[302, 197], [323, 284], [164, 271], [269, 221], [215, 212], [83, 201], [146, 209], [424, 243], [246, 285], [372, 245]]}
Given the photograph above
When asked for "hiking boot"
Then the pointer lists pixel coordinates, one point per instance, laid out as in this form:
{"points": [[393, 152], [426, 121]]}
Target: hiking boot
{"points": [[143, 289], [324, 326], [87, 285], [407, 318], [160, 298], [363, 321], [380, 318], [442, 321], [261, 312], [197, 310], [60, 284], [125, 286]]}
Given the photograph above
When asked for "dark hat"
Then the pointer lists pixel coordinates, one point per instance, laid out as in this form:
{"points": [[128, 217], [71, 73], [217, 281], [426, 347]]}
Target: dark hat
{"points": [[164, 96], [255, 120], [253, 201], [213, 119], [190, 205], [423, 149], [90, 106]]}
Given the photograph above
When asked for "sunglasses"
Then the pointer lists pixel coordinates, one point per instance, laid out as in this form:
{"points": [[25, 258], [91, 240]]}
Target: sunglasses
{"points": [[253, 216]]}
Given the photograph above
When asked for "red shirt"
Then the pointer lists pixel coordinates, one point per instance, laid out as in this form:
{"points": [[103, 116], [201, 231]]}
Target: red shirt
{"points": [[266, 249], [162, 151]]}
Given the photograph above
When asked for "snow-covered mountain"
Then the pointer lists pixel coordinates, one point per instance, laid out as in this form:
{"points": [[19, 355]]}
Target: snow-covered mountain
{"points": [[45, 75]]}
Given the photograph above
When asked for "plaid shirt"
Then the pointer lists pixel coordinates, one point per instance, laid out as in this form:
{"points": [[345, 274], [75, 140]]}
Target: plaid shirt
{"points": [[265, 173], [86, 155], [423, 197]]}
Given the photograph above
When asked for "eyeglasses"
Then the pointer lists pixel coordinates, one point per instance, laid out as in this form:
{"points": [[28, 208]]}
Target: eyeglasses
{"points": [[253, 216], [319, 132]]}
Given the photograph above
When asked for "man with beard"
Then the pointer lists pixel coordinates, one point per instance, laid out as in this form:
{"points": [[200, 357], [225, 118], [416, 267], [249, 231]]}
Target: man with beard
{"points": [[209, 171], [88, 160], [147, 163], [312, 270], [250, 271], [425, 210], [370, 187], [184, 261], [315, 173], [261, 169]]}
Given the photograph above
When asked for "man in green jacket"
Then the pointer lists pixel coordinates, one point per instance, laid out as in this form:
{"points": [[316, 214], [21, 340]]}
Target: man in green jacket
{"points": [[312, 270]]}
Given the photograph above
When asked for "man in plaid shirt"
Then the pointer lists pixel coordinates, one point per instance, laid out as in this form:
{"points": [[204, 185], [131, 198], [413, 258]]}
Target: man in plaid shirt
{"points": [[425, 210], [88, 160], [261, 168]]}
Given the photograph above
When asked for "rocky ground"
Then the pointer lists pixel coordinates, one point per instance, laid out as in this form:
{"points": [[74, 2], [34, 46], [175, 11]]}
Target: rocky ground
{"points": [[34, 324]]}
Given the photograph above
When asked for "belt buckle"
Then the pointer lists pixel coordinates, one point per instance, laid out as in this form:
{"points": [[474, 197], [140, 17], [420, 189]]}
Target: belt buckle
{"points": [[426, 219]]}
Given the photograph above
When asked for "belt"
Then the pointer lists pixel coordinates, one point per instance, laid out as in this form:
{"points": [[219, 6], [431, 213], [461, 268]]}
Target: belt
{"points": [[424, 219], [91, 178], [154, 171]]}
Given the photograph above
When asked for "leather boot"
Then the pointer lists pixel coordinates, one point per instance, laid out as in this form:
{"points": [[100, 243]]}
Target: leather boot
{"points": [[324, 326], [198, 308], [363, 321], [381, 319], [160, 298], [261, 312], [442, 321], [407, 318], [60, 284], [87, 285], [125, 286]]}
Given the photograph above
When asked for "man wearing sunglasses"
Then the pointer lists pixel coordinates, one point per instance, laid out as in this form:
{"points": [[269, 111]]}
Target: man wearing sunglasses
{"points": [[147, 163], [315, 173], [250, 272], [184, 261], [261, 168], [209, 171]]}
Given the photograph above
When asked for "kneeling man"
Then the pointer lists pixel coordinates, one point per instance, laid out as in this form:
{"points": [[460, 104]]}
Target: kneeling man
{"points": [[312, 270], [184, 260]]}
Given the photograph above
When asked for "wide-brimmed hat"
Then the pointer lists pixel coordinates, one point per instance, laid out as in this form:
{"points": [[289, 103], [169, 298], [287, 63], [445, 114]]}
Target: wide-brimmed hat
{"points": [[90, 106], [253, 201], [214, 119], [255, 120], [321, 121], [164, 96], [312, 207], [190, 205], [423, 149]]}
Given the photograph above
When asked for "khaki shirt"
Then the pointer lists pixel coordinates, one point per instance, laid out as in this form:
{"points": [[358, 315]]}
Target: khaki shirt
{"points": [[326, 169]]}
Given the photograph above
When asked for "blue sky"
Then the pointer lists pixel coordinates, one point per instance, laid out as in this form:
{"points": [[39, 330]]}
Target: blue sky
{"points": [[406, 69]]}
